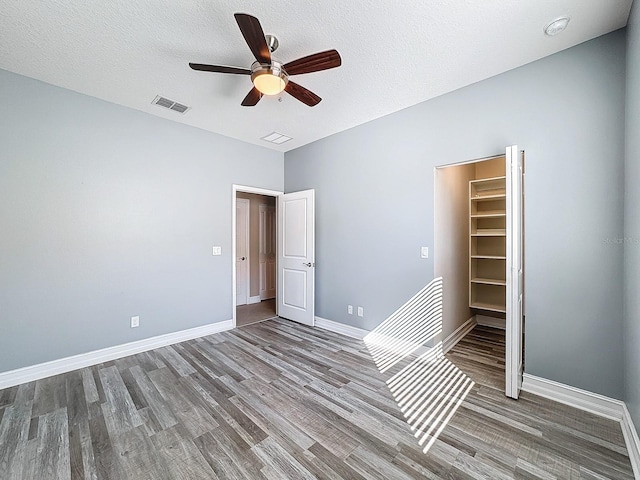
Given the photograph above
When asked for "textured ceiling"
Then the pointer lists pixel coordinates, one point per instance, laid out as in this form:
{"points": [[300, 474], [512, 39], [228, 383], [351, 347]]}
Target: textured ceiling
{"points": [[394, 54]]}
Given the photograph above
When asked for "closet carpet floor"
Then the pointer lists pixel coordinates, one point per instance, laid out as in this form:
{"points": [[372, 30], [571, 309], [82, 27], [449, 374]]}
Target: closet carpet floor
{"points": [[277, 400]]}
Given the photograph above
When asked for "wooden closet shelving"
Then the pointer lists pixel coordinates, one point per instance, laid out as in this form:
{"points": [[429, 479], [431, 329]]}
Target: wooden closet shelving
{"points": [[487, 244]]}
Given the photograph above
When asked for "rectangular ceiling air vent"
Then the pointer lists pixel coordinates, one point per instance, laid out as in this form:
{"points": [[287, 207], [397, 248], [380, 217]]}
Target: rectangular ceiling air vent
{"points": [[170, 104], [276, 138]]}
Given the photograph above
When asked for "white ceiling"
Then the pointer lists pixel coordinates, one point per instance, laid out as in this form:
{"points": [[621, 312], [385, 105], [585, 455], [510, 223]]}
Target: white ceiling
{"points": [[394, 54]]}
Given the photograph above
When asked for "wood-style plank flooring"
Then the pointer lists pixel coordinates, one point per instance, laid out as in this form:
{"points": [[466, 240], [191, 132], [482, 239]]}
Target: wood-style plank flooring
{"points": [[276, 400], [256, 312]]}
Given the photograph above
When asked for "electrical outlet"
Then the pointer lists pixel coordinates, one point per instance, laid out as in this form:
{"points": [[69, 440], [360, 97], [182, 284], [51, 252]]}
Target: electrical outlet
{"points": [[350, 309], [135, 321], [361, 311], [217, 251]]}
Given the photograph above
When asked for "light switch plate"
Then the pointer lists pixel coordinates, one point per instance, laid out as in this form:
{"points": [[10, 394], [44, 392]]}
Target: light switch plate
{"points": [[217, 250], [424, 252]]}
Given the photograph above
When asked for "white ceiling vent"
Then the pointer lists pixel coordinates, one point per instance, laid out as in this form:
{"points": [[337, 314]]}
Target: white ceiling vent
{"points": [[276, 138], [170, 104]]}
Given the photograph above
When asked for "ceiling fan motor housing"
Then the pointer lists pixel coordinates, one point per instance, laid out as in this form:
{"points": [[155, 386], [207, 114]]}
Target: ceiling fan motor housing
{"points": [[272, 42], [269, 78]]}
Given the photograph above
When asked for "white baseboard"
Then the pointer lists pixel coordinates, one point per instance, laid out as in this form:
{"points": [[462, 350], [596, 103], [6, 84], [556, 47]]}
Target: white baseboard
{"points": [[63, 365], [631, 439], [593, 403], [253, 300], [337, 327], [492, 322], [396, 345], [360, 333], [449, 342], [574, 397]]}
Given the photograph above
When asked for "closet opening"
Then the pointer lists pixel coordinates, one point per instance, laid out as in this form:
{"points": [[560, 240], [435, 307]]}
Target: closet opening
{"points": [[478, 251]]}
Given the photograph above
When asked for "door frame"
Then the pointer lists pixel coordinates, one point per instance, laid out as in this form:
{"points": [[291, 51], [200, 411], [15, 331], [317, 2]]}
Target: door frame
{"points": [[247, 230], [262, 234], [507, 319], [234, 191]]}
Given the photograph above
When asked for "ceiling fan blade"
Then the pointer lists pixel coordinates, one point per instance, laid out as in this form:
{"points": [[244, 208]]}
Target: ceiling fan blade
{"points": [[220, 69], [314, 63], [254, 36], [252, 98], [305, 96]]}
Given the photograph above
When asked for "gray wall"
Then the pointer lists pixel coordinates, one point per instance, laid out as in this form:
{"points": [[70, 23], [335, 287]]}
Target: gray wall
{"points": [[374, 193], [632, 219], [451, 241], [105, 213]]}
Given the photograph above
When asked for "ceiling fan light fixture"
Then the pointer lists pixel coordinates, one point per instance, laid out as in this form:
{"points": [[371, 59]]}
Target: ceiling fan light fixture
{"points": [[269, 79], [269, 84]]}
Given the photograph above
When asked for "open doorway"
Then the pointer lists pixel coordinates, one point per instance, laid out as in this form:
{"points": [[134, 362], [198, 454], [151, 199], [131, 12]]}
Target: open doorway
{"points": [[294, 260], [478, 252], [255, 255]]}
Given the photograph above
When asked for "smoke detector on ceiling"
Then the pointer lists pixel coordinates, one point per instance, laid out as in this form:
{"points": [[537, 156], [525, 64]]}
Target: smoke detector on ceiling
{"points": [[556, 26]]}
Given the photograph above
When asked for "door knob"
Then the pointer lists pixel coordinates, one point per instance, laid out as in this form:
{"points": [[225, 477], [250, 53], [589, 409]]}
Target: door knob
{"points": [[243, 258], [308, 264]]}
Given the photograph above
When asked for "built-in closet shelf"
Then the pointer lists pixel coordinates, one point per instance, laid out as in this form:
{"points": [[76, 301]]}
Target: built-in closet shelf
{"points": [[488, 306], [489, 281], [489, 233], [488, 208], [487, 244], [483, 198], [488, 188], [496, 214]]}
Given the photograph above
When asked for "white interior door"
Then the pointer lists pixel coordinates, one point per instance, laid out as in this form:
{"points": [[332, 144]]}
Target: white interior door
{"points": [[242, 251], [267, 260], [515, 270], [296, 256]]}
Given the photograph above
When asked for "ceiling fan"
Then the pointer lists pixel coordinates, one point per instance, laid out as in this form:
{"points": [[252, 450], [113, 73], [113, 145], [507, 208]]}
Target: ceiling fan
{"points": [[269, 76]]}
